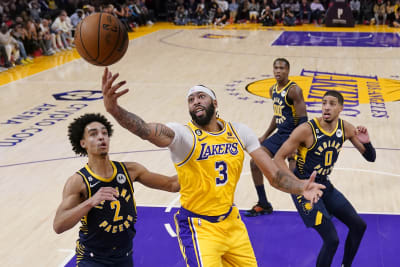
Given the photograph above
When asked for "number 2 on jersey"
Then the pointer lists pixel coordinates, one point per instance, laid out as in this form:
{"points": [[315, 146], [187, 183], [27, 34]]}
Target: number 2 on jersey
{"points": [[222, 168], [117, 206]]}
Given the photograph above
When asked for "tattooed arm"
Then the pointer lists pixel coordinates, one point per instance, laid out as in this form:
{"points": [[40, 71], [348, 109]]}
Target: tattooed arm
{"points": [[156, 133], [284, 180], [281, 179]]}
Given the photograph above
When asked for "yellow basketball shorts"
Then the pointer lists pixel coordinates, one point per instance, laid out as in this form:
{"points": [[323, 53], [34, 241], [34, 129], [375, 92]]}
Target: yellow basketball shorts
{"points": [[214, 244]]}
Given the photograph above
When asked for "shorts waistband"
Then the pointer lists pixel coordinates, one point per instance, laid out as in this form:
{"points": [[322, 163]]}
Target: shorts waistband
{"points": [[213, 219]]}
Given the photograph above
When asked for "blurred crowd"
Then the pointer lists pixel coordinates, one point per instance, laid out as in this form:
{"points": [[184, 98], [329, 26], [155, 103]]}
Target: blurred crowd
{"points": [[284, 12], [32, 28]]}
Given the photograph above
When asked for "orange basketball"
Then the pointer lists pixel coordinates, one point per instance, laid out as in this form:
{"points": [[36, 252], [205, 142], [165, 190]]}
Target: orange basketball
{"points": [[101, 39]]}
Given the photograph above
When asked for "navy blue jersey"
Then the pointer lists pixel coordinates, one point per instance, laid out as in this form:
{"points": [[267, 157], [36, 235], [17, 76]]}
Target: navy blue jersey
{"points": [[111, 224], [322, 155], [284, 111]]}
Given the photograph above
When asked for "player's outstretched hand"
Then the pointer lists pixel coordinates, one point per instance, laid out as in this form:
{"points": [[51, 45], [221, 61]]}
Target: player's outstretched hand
{"points": [[104, 193], [362, 134], [109, 89], [313, 191]]}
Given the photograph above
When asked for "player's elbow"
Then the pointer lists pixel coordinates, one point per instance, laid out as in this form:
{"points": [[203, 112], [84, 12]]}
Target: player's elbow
{"points": [[58, 227], [175, 186]]}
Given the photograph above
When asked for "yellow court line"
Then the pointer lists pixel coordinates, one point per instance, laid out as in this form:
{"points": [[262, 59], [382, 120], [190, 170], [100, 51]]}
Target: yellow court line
{"points": [[47, 62]]}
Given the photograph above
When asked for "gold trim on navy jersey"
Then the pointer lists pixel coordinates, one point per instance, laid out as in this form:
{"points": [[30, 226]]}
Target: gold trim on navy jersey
{"points": [[314, 134], [283, 88], [98, 177], [342, 127], [325, 132], [89, 192], [110, 223], [295, 119], [130, 184], [324, 152]]}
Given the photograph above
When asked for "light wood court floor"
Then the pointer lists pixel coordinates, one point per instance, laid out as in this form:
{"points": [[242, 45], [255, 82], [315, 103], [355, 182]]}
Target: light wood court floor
{"points": [[40, 100]]}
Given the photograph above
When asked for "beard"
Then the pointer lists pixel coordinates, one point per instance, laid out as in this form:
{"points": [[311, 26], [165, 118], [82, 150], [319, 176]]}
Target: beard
{"points": [[204, 120]]}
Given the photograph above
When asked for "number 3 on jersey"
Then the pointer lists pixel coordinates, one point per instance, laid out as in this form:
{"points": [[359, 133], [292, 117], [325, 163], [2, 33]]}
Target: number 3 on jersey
{"points": [[222, 168]]}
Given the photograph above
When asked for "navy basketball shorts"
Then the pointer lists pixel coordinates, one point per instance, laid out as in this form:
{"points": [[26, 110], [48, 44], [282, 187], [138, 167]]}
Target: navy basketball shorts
{"points": [[312, 214], [274, 142]]}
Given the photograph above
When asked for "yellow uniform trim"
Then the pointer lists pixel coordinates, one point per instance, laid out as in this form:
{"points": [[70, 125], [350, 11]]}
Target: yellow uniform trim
{"points": [[342, 126], [87, 184], [196, 248], [318, 218], [101, 178], [237, 136], [283, 88], [325, 132], [179, 239], [290, 105], [130, 184], [191, 151], [315, 136]]}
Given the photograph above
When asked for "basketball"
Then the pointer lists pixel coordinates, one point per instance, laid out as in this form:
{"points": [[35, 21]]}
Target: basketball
{"points": [[101, 39]]}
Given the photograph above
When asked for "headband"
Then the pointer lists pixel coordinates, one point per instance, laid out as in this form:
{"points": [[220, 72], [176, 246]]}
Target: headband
{"points": [[201, 88]]}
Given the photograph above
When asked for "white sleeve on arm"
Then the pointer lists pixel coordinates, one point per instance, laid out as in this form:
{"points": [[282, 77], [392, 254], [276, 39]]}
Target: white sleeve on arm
{"points": [[247, 136], [182, 144]]}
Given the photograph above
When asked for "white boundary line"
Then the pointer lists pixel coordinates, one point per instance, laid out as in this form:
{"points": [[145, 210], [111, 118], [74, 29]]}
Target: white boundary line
{"points": [[170, 231], [172, 203], [276, 38], [354, 169], [368, 171], [67, 258], [167, 226]]}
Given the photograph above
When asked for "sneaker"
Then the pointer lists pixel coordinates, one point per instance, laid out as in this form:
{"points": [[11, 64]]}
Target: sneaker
{"points": [[26, 61], [259, 209], [29, 60]]}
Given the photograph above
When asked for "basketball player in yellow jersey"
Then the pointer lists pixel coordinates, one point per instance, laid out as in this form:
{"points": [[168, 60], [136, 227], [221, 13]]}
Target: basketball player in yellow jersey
{"points": [[208, 155], [100, 195]]}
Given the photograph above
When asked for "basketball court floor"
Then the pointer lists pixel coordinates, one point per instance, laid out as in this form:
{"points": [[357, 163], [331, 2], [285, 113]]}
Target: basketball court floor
{"points": [[38, 102]]}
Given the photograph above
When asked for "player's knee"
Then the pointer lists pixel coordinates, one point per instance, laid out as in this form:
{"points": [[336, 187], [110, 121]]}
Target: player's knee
{"points": [[358, 225], [332, 243], [361, 226]]}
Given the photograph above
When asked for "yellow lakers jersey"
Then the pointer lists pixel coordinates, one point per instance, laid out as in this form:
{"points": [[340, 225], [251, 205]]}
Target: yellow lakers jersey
{"points": [[209, 174]]}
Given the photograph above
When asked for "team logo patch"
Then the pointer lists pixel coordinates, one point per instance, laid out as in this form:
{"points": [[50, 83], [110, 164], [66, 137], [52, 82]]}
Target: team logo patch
{"points": [[198, 132], [339, 133], [90, 178], [121, 178], [283, 93], [307, 207]]}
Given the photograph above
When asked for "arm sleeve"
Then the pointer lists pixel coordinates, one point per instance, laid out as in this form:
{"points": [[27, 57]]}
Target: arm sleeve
{"points": [[247, 136], [182, 144], [370, 153]]}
